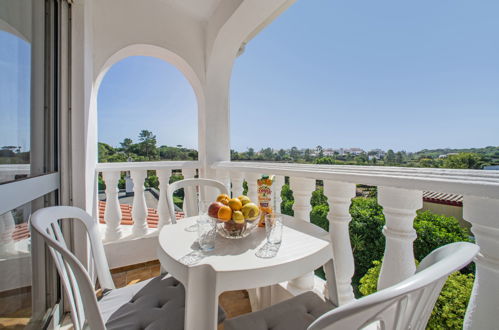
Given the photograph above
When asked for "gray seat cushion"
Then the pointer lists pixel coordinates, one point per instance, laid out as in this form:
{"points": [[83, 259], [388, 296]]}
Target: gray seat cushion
{"points": [[294, 314], [158, 303]]}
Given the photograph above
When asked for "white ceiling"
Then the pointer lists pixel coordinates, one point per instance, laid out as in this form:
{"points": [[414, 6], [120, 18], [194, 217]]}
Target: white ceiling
{"points": [[200, 9]]}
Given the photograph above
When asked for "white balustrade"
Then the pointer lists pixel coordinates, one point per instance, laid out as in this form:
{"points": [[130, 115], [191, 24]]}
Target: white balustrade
{"points": [[163, 208], [251, 179], [190, 206], [139, 208], [111, 172], [302, 193], [277, 186], [237, 183], [7, 227], [112, 212], [339, 196], [399, 207], [483, 213]]}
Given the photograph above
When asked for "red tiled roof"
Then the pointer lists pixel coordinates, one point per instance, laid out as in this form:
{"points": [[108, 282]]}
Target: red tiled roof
{"points": [[443, 198], [126, 215], [21, 232]]}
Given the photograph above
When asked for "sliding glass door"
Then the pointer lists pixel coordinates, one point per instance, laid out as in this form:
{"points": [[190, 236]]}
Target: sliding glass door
{"points": [[33, 62]]}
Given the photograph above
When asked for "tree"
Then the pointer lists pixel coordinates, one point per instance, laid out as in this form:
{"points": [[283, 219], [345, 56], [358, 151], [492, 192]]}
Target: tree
{"points": [[267, 153], [251, 153], [147, 145], [320, 151], [294, 153], [126, 144], [307, 155], [390, 157], [463, 160]]}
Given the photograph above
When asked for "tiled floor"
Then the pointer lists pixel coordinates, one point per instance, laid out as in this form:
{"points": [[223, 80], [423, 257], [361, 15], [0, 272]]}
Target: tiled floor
{"points": [[15, 308], [233, 302]]}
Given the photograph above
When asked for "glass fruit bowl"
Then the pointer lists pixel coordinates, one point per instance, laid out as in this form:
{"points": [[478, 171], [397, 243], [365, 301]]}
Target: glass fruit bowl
{"points": [[233, 230]]}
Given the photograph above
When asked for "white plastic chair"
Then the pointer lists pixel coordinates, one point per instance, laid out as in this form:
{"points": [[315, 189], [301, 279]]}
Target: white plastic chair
{"points": [[154, 304], [187, 183], [406, 305]]}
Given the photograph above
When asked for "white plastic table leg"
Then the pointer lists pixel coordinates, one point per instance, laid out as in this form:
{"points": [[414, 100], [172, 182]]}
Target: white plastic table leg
{"points": [[201, 299]]}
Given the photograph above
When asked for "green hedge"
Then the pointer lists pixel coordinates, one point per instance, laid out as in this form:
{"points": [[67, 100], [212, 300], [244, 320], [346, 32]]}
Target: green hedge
{"points": [[450, 307]]}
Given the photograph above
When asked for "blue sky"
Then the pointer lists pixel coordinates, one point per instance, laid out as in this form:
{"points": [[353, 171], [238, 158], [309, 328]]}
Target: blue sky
{"points": [[15, 67], [369, 74], [388, 74]]}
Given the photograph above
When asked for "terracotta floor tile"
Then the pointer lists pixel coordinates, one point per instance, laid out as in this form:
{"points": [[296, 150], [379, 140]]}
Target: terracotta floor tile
{"points": [[140, 274], [119, 279]]}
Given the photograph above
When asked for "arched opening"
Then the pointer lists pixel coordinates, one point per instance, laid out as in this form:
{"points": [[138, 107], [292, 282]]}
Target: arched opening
{"points": [[147, 111]]}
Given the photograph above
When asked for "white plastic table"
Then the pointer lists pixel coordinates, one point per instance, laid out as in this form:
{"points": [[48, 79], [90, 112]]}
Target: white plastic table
{"points": [[233, 265]]}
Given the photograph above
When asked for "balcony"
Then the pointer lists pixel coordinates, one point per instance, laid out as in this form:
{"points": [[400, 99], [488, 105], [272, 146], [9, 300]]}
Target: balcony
{"points": [[70, 45], [400, 192]]}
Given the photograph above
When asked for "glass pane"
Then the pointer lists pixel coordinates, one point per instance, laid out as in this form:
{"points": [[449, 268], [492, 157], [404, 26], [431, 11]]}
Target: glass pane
{"points": [[15, 267], [15, 89]]}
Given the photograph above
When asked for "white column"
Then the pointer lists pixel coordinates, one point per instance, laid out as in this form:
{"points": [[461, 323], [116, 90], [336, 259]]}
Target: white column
{"points": [[399, 207], [483, 213], [190, 206], [251, 179], [302, 192], [163, 208], [237, 183], [339, 196], [139, 209], [112, 213], [277, 186]]}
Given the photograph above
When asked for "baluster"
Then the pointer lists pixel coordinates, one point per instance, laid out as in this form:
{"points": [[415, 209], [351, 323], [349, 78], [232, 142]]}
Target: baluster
{"points": [[224, 177], [7, 228], [339, 196], [237, 183], [139, 211], [190, 206], [163, 208], [277, 186], [251, 179], [483, 213], [399, 207], [302, 192], [112, 212]]}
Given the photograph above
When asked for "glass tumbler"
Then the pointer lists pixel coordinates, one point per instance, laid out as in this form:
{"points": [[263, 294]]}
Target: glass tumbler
{"points": [[207, 232], [273, 228]]}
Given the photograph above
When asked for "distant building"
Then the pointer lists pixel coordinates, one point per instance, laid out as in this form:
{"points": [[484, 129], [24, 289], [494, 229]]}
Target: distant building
{"points": [[354, 151], [446, 155], [376, 154], [446, 204]]}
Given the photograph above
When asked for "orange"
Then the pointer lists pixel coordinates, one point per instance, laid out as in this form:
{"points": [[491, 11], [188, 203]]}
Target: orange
{"points": [[224, 213], [235, 204], [223, 198]]}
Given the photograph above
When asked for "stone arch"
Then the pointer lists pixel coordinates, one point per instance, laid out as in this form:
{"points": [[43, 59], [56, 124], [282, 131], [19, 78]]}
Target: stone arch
{"points": [[157, 52]]}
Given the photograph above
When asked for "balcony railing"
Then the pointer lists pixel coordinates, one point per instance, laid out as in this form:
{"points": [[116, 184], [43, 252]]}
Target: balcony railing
{"points": [[400, 192], [131, 244]]}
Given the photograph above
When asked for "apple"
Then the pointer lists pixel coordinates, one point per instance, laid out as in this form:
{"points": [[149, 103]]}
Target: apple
{"points": [[250, 211], [213, 209]]}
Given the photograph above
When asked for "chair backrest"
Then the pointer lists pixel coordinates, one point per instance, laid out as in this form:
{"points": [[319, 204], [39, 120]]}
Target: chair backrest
{"points": [[76, 281], [188, 183], [408, 304]]}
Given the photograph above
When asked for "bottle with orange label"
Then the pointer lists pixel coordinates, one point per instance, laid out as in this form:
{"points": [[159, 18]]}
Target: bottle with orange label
{"points": [[265, 197]]}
